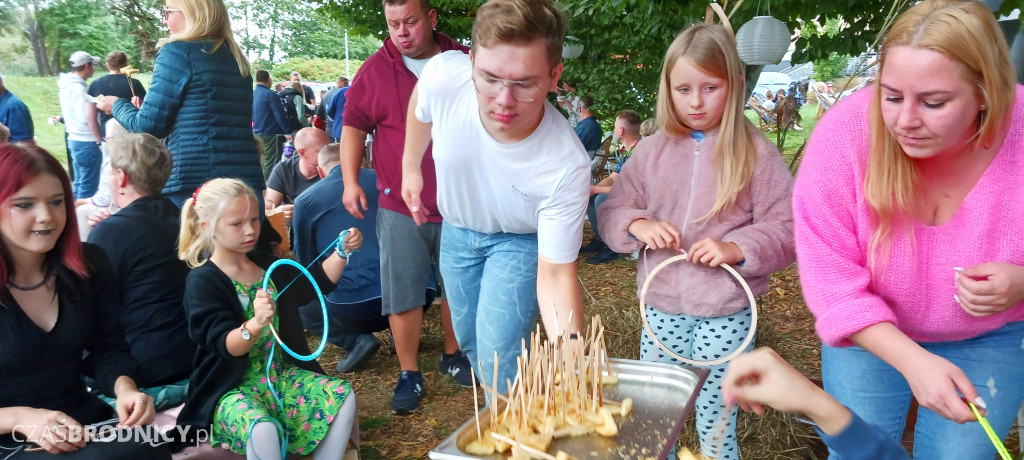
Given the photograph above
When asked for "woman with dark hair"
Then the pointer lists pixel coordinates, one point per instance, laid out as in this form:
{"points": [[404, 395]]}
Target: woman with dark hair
{"points": [[57, 300]]}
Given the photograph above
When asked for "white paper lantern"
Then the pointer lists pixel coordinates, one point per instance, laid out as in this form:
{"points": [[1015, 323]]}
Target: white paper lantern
{"points": [[571, 48], [763, 40]]}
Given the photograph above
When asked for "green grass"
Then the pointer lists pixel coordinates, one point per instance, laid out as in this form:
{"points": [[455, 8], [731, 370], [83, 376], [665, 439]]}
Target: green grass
{"points": [[373, 423], [40, 94]]}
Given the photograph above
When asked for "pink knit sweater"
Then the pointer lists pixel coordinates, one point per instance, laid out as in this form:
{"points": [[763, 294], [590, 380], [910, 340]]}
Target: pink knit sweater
{"points": [[669, 179], [914, 290]]}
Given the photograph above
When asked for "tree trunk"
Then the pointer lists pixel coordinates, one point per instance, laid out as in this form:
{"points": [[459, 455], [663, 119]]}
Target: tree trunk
{"points": [[37, 37], [56, 61], [273, 35], [248, 39]]}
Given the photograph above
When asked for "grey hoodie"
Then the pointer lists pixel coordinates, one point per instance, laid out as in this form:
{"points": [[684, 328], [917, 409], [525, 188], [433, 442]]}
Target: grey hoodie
{"points": [[73, 106]]}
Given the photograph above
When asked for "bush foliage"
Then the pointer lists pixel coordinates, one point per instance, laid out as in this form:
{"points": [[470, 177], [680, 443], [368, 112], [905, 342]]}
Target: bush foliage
{"points": [[323, 70]]}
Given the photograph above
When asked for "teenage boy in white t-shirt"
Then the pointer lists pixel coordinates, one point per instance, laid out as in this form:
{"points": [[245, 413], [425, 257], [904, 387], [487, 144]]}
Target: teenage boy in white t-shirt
{"points": [[513, 182]]}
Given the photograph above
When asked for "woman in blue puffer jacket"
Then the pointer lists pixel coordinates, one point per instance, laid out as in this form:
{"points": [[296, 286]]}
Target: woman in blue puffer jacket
{"points": [[199, 101]]}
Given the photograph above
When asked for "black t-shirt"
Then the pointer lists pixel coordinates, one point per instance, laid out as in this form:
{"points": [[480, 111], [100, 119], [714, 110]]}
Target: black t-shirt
{"points": [[308, 93], [288, 179], [117, 86]]}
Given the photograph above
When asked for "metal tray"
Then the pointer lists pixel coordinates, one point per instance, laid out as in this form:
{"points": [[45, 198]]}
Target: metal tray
{"points": [[663, 396]]}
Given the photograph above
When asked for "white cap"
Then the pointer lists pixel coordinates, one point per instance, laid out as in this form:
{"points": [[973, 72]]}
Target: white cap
{"points": [[80, 58]]}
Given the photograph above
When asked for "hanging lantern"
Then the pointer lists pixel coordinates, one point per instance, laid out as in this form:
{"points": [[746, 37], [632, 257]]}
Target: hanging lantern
{"points": [[763, 40], [571, 48]]}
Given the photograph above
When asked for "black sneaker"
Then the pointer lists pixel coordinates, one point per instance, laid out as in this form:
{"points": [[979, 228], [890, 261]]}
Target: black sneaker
{"points": [[594, 245], [603, 256], [360, 354], [456, 365], [407, 393]]}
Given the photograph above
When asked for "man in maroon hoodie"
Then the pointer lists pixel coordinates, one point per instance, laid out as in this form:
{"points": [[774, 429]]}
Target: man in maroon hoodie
{"points": [[377, 102]]}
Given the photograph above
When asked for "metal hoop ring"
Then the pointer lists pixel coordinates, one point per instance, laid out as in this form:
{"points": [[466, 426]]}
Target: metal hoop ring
{"points": [[738, 351]]}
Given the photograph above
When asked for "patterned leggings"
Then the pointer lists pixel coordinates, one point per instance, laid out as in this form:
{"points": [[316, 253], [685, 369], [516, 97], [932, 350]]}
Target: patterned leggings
{"points": [[702, 339]]}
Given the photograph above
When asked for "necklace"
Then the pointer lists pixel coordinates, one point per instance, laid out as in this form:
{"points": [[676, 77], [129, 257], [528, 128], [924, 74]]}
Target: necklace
{"points": [[46, 278]]}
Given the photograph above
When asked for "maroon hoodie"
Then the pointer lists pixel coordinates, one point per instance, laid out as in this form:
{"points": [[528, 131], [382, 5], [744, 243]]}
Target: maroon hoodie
{"points": [[377, 103]]}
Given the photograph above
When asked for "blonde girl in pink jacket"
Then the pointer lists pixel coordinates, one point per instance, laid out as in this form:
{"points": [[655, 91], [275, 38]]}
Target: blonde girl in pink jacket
{"points": [[710, 183]]}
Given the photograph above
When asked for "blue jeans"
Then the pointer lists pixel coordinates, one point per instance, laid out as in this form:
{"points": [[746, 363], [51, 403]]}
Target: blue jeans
{"points": [[595, 201], [491, 285], [88, 160], [994, 362]]}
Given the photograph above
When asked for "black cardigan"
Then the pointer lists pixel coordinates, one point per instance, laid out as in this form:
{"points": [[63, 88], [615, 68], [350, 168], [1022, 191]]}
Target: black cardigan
{"points": [[213, 311], [43, 369], [141, 241]]}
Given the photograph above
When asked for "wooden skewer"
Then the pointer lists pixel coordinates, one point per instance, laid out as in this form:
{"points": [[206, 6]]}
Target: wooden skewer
{"points": [[524, 447], [508, 407], [494, 389], [476, 406], [554, 312]]}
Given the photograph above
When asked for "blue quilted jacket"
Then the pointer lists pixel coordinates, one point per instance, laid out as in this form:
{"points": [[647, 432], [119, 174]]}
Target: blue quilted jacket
{"points": [[201, 106]]}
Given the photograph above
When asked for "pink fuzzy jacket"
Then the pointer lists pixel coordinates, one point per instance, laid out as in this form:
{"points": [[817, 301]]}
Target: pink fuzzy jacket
{"points": [[914, 289], [669, 178]]}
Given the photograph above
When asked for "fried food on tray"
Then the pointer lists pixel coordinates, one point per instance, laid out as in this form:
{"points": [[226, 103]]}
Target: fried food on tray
{"points": [[557, 393]]}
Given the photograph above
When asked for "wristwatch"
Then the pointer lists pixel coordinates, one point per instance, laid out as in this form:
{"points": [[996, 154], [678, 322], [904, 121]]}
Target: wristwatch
{"points": [[245, 333]]}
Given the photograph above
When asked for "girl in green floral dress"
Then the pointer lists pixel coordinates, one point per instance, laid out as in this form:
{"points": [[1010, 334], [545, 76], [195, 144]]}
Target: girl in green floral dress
{"points": [[299, 410], [309, 400]]}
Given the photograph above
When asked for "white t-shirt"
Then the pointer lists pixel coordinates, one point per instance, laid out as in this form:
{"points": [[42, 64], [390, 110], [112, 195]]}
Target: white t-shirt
{"points": [[538, 185], [415, 65]]}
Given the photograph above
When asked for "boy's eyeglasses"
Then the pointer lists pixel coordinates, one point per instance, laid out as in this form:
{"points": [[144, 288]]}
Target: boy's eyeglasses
{"points": [[167, 12], [491, 87]]}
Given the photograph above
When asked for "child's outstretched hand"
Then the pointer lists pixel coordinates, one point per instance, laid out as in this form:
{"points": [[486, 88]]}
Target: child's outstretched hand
{"points": [[263, 306], [712, 252], [656, 234], [353, 241], [762, 378]]}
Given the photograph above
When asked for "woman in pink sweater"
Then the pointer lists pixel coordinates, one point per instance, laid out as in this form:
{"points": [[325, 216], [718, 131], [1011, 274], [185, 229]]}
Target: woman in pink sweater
{"points": [[908, 212], [708, 182]]}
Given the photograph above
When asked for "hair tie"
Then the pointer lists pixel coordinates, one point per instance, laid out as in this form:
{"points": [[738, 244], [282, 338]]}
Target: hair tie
{"points": [[195, 193]]}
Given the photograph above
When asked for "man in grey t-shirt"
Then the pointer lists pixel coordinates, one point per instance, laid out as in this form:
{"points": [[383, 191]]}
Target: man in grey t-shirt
{"points": [[293, 175]]}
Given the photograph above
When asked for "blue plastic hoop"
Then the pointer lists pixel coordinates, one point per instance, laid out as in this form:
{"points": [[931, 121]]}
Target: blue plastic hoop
{"points": [[323, 307]]}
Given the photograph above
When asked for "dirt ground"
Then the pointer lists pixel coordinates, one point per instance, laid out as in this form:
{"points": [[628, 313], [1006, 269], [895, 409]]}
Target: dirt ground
{"points": [[609, 290]]}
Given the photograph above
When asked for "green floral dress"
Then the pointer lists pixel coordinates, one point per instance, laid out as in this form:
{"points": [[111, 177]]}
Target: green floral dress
{"points": [[309, 401]]}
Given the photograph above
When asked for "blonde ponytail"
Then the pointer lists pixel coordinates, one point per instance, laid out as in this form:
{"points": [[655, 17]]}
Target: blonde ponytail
{"points": [[195, 244]]}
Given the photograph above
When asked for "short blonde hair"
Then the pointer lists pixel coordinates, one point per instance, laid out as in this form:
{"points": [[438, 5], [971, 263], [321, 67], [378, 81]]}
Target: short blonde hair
{"points": [[143, 158], [966, 32], [712, 48], [520, 22], [194, 244], [648, 127], [208, 20]]}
